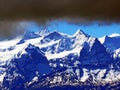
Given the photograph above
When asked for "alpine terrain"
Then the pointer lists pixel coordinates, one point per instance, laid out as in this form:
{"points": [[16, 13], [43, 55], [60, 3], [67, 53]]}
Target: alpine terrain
{"points": [[52, 60]]}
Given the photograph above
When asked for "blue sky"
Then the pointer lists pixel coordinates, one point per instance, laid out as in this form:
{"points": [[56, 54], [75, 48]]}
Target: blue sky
{"points": [[94, 29]]}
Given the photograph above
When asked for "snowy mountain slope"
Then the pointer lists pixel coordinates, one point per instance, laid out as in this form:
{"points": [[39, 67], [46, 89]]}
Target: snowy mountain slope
{"points": [[26, 65], [69, 60], [6, 46], [6, 53]]}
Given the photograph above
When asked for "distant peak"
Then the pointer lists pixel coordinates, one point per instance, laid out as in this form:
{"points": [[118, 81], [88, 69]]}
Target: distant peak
{"points": [[43, 32], [80, 32], [114, 35], [55, 33]]}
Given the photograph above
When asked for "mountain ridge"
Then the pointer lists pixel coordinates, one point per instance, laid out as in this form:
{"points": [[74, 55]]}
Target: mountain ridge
{"points": [[79, 59]]}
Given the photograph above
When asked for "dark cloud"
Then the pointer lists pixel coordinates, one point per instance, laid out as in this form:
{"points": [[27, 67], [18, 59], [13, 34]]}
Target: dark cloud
{"points": [[83, 11], [48, 9]]}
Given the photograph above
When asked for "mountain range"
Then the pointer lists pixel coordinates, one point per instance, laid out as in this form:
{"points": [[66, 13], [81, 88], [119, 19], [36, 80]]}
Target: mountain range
{"points": [[52, 60]]}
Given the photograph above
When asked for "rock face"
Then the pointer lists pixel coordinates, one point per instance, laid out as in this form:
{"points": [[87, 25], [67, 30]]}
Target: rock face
{"points": [[58, 61]]}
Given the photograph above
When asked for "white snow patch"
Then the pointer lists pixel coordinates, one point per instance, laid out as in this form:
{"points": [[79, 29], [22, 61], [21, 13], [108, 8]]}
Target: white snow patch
{"points": [[102, 39], [9, 43], [101, 74], [85, 75], [114, 35], [62, 54], [35, 79], [49, 44], [91, 41], [61, 65], [77, 71], [2, 77]]}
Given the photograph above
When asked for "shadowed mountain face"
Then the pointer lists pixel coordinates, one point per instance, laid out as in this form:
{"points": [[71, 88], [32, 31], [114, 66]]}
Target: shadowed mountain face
{"points": [[95, 55], [55, 60]]}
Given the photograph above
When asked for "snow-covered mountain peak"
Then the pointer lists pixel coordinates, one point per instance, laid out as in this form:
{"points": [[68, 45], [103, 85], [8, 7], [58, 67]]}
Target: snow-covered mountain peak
{"points": [[80, 38], [80, 32]]}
